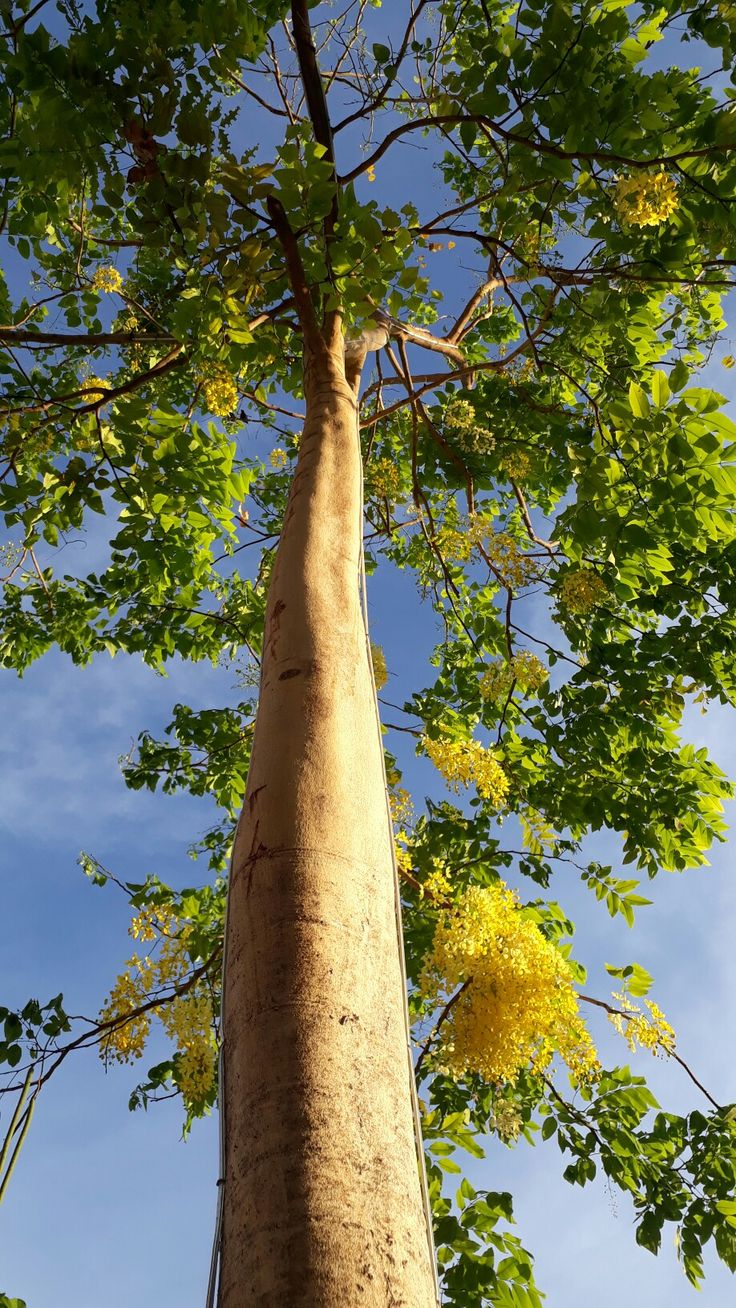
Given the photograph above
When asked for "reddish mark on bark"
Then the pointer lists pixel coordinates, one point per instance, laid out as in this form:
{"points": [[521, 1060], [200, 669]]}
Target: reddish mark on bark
{"points": [[252, 798], [274, 624], [290, 672], [256, 849]]}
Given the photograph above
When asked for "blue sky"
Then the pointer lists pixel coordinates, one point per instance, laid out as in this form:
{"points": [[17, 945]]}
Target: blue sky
{"points": [[112, 1207]]}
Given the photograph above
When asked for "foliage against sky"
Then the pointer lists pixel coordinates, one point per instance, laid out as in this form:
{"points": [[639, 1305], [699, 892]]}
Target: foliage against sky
{"points": [[543, 206]]}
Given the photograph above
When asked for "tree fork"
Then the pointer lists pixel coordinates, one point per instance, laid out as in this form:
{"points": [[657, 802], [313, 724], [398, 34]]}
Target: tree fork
{"points": [[322, 1201]]}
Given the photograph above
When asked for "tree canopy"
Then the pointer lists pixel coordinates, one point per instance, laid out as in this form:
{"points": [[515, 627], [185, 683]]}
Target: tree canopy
{"points": [[534, 202]]}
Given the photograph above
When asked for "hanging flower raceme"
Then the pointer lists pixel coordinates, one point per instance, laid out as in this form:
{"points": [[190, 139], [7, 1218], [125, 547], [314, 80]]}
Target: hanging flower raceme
{"points": [[383, 480], [524, 669], [454, 544], [513, 567], [187, 1016], [649, 1030], [380, 671], [467, 762], [582, 590], [219, 390], [94, 388], [646, 200], [517, 465], [107, 279], [518, 1007], [470, 434]]}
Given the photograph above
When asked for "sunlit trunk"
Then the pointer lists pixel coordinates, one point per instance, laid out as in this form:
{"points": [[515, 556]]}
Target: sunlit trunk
{"points": [[322, 1202]]}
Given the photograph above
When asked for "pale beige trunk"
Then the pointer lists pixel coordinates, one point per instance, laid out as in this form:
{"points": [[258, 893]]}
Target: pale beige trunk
{"points": [[322, 1203]]}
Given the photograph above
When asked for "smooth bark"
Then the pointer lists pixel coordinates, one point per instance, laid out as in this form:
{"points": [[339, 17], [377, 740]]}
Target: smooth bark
{"points": [[322, 1203]]}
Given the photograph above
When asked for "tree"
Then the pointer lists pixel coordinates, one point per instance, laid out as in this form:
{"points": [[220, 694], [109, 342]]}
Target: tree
{"points": [[532, 450]]}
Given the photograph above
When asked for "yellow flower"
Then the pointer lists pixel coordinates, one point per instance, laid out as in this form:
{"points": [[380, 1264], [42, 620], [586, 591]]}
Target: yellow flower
{"points": [[467, 432], [383, 479], [506, 1120], [187, 1018], [370, 173], [402, 809], [652, 1031], [455, 546], [95, 387], [525, 669], [496, 681], [107, 279], [437, 885], [404, 858], [646, 199], [582, 590], [451, 245], [466, 762], [517, 465], [219, 390], [513, 568], [519, 1006], [278, 458], [529, 671], [380, 671], [125, 1039]]}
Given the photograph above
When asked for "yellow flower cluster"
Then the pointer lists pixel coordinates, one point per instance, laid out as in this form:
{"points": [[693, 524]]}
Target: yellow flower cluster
{"points": [[470, 434], [402, 809], [380, 671], [506, 1120], [437, 885], [94, 387], [514, 568], [517, 465], [384, 479], [10, 554], [107, 279], [529, 671], [454, 545], [219, 389], [462, 762], [278, 458], [496, 680], [582, 590], [651, 1031], [646, 200], [404, 858], [519, 1007], [525, 669], [186, 1018], [188, 1021], [126, 1039]]}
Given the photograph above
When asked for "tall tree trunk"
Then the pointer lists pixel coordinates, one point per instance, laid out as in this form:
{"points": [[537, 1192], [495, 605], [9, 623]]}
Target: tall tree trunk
{"points": [[322, 1203]]}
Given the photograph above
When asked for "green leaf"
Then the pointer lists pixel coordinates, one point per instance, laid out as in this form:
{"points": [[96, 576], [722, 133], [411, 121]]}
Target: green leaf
{"points": [[679, 376], [638, 400], [660, 389]]}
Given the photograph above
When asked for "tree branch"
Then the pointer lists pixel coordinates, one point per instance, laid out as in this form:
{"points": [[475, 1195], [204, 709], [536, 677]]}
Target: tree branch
{"points": [[311, 78], [442, 1018], [538, 146], [297, 276], [377, 100], [619, 1012]]}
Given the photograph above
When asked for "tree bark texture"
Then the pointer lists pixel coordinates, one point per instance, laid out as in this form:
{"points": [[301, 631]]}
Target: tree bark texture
{"points": [[322, 1201]]}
